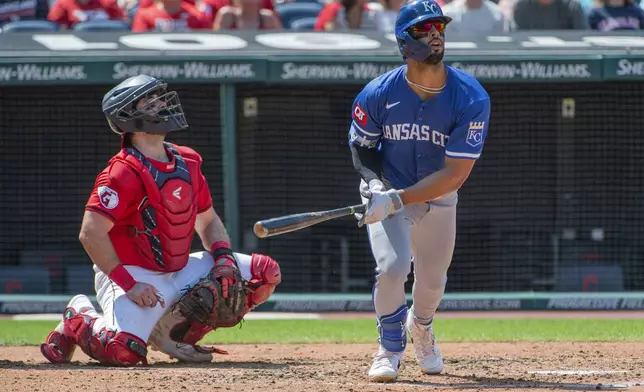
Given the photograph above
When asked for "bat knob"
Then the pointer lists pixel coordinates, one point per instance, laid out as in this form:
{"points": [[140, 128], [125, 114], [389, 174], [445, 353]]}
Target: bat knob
{"points": [[259, 230]]}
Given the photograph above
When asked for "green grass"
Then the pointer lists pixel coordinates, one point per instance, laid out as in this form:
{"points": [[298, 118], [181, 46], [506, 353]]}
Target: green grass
{"points": [[364, 331]]}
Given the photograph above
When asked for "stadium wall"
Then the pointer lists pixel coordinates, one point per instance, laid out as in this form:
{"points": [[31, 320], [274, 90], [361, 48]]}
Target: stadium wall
{"points": [[552, 206]]}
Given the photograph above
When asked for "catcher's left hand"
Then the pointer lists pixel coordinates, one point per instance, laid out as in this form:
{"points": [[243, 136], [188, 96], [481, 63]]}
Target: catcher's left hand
{"points": [[219, 299], [226, 260]]}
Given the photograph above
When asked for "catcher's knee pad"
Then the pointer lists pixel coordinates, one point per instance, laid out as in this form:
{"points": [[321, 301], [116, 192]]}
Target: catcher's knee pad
{"points": [[393, 335], [106, 346], [265, 276], [75, 329], [120, 348]]}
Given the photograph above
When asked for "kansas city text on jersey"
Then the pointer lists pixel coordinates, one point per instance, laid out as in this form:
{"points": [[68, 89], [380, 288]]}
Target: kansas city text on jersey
{"points": [[409, 131]]}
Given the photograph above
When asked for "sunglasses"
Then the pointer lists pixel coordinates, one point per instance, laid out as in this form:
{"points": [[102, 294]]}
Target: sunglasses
{"points": [[426, 27]]}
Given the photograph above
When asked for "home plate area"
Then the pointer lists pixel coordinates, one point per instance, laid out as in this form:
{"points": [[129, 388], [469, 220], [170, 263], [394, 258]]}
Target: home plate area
{"points": [[334, 368]]}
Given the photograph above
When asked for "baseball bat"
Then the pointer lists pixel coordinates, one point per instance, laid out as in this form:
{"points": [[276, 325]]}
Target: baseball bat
{"points": [[286, 224]]}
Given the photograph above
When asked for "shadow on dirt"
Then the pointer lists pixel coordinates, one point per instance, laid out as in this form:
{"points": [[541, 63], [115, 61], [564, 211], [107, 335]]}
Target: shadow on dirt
{"points": [[94, 366], [475, 382]]}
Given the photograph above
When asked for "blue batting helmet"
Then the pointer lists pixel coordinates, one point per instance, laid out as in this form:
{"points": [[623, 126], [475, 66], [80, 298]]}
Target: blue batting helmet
{"points": [[410, 14]]}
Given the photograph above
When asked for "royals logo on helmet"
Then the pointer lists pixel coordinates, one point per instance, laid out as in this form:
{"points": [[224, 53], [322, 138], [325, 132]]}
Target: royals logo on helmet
{"points": [[430, 7]]}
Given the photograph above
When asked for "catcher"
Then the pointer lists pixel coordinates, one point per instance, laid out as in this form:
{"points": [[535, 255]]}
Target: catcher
{"points": [[137, 229]]}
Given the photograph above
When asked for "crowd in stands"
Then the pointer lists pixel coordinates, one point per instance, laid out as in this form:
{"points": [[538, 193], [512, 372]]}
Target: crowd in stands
{"points": [[469, 16]]}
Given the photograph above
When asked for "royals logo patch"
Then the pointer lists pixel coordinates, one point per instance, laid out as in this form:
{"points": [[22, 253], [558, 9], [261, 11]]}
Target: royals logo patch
{"points": [[475, 133]]}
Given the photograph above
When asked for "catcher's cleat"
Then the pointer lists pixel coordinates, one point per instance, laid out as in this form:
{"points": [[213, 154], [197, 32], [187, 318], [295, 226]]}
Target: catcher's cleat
{"points": [[191, 333]]}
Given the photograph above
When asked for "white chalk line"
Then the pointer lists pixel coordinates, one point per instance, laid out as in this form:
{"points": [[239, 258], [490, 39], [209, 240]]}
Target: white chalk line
{"points": [[249, 316], [526, 385], [576, 372], [505, 386]]}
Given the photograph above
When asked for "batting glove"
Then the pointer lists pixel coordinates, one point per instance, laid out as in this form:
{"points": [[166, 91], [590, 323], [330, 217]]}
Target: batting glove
{"points": [[365, 191], [380, 206]]}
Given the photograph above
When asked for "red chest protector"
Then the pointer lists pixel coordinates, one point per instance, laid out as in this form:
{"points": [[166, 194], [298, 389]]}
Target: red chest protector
{"points": [[167, 212]]}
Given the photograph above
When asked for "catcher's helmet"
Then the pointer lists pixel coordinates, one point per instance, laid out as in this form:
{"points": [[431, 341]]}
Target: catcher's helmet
{"points": [[411, 14], [161, 112]]}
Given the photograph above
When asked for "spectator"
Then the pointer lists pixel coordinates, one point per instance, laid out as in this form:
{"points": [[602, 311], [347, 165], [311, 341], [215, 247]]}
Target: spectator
{"points": [[616, 15], [587, 5], [348, 14], [246, 15], [11, 10], [169, 15], [208, 7], [549, 15], [475, 17], [69, 12], [129, 8], [507, 7], [386, 16]]}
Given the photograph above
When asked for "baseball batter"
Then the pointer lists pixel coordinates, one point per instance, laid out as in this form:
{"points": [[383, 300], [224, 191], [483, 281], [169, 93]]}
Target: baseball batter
{"points": [[138, 228], [415, 136]]}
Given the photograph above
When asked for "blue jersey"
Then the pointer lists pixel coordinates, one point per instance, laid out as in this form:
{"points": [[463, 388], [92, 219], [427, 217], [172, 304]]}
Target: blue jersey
{"points": [[414, 136], [616, 18]]}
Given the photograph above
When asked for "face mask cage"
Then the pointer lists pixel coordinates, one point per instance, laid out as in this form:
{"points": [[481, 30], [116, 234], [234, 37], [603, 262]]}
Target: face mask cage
{"points": [[158, 106]]}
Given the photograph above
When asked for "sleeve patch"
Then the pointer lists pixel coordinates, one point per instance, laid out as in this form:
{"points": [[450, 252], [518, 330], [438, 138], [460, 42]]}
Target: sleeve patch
{"points": [[475, 133], [359, 115], [108, 197]]}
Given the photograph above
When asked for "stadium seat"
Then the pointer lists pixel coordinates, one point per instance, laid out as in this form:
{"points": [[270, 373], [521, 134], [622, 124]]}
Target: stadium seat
{"points": [[289, 12], [30, 26], [102, 25], [79, 279], [24, 280], [54, 260], [303, 24]]}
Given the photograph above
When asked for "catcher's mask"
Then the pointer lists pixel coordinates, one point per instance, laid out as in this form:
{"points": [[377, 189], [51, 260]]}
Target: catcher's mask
{"points": [[143, 104]]}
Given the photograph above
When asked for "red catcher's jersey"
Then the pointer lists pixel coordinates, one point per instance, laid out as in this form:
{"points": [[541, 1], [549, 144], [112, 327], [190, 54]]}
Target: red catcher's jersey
{"points": [[153, 206]]}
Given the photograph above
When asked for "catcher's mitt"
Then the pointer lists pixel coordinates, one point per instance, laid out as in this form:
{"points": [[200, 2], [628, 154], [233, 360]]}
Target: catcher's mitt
{"points": [[204, 303]]}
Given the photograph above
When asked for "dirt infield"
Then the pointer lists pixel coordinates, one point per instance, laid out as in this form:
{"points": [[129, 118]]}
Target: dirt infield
{"points": [[335, 368]]}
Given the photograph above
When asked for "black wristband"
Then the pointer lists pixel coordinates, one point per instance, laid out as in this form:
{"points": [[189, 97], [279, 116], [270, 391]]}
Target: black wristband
{"points": [[222, 251]]}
